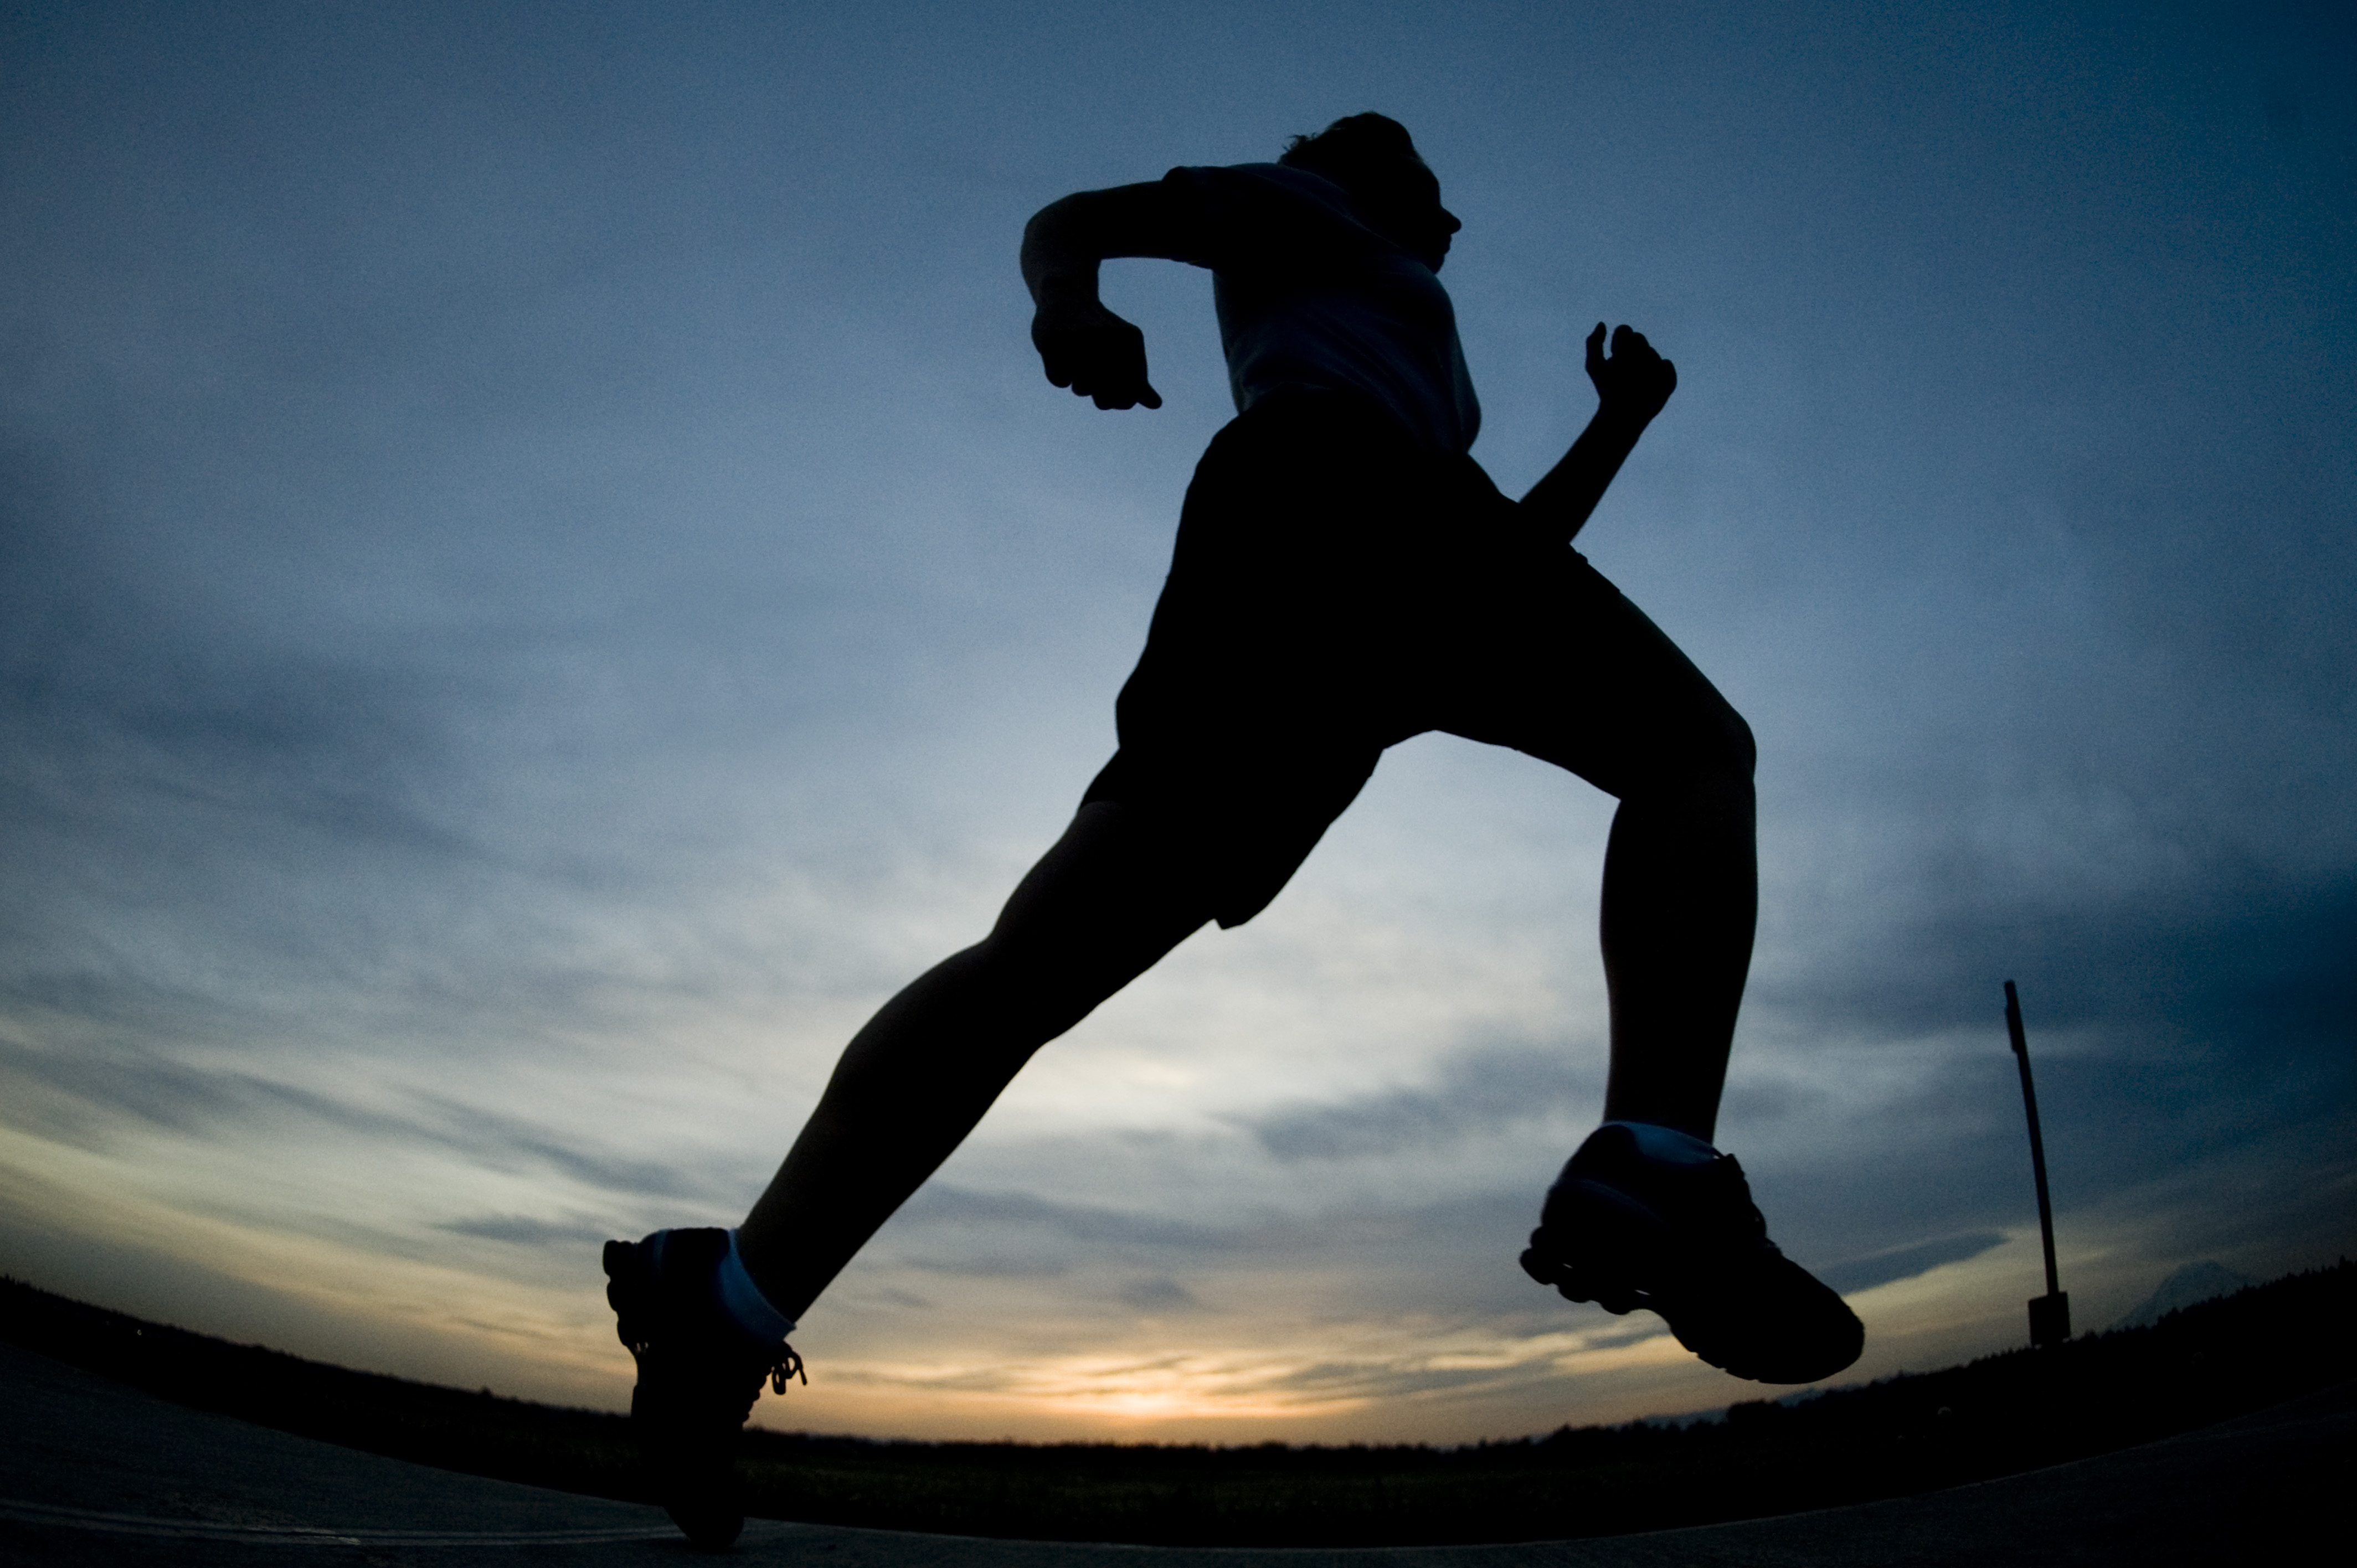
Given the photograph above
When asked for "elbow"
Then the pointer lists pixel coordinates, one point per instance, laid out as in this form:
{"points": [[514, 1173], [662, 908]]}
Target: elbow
{"points": [[1051, 227], [1047, 239]]}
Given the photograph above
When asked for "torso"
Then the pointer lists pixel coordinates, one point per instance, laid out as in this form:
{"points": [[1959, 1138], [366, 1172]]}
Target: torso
{"points": [[1310, 295]]}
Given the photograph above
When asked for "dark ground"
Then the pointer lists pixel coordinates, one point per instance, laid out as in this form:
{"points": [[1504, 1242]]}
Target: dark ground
{"points": [[1910, 1434]]}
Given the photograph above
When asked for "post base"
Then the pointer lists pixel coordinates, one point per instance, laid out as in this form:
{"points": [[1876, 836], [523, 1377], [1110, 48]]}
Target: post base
{"points": [[2049, 1318]]}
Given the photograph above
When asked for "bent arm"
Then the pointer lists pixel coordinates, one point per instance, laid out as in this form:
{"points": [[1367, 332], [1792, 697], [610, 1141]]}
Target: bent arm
{"points": [[1562, 502], [1082, 344], [1065, 239], [1630, 388]]}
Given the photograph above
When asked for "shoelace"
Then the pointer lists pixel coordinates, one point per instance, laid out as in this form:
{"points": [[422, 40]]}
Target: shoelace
{"points": [[1748, 1222], [788, 1364]]}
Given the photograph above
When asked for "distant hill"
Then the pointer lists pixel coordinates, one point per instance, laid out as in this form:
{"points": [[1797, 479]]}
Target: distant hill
{"points": [[1914, 1433], [2189, 1286]]}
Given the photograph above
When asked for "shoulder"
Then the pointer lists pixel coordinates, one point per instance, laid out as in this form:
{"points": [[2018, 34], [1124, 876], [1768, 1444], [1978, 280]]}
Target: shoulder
{"points": [[1252, 211], [1267, 181], [1265, 189]]}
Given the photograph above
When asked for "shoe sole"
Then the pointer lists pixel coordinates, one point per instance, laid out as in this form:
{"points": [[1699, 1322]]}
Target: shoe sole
{"points": [[629, 1291], [697, 1488]]}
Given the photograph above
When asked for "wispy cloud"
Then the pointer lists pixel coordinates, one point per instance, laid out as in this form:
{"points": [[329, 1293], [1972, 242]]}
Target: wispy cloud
{"points": [[523, 1230], [1474, 1094], [1905, 1263]]}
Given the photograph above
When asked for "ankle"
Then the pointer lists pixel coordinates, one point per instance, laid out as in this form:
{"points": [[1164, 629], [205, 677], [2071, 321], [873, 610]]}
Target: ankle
{"points": [[744, 1301], [1667, 1146]]}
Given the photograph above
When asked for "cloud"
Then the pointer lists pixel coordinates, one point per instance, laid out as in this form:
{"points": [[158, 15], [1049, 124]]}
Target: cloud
{"points": [[492, 1136], [1479, 1092], [114, 690], [2248, 951], [1905, 1263], [92, 1097], [523, 1230], [954, 1231], [1159, 1294]]}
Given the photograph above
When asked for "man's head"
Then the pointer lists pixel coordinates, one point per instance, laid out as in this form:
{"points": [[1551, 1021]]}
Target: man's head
{"points": [[1371, 157]]}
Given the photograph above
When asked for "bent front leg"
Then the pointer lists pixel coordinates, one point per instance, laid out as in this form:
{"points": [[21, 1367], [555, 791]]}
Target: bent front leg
{"points": [[1681, 902], [1564, 667]]}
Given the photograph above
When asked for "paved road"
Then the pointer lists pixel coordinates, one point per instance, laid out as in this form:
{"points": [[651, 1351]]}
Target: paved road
{"points": [[94, 1473]]}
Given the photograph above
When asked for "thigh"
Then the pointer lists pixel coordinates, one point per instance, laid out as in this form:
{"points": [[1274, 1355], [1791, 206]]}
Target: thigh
{"points": [[1549, 658], [1121, 887], [1247, 721]]}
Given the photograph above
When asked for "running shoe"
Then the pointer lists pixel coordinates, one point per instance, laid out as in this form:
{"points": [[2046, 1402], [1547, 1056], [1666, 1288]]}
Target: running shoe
{"points": [[699, 1374], [1626, 1231]]}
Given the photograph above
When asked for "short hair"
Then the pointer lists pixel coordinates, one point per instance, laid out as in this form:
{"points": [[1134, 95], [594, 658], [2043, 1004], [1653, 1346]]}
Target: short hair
{"points": [[1355, 152]]}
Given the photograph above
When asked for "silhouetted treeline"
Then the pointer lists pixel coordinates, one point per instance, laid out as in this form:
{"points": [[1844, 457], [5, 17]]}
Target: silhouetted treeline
{"points": [[1908, 1434]]}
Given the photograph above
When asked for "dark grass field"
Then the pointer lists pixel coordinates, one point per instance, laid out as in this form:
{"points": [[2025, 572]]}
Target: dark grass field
{"points": [[1909, 1433]]}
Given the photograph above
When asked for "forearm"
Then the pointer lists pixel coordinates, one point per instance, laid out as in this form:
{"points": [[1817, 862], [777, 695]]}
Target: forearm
{"points": [[1059, 261], [1065, 239], [1561, 503]]}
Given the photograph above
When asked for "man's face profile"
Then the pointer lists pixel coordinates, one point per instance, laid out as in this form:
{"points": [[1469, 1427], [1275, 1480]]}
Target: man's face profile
{"points": [[1405, 205]]}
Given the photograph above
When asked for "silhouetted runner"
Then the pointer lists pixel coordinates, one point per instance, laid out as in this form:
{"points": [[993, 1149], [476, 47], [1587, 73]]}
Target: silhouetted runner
{"points": [[1345, 576]]}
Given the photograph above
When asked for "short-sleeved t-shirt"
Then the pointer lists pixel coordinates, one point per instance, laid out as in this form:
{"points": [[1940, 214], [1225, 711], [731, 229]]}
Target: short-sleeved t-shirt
{"points": [[1310, 294]]}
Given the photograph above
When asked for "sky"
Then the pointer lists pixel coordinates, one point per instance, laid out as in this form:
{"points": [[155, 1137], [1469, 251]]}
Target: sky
{"points": [[540, 580]]}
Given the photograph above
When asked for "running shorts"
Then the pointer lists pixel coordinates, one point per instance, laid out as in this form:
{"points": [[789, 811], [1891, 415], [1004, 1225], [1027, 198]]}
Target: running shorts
{"points": [[1334, 589]]}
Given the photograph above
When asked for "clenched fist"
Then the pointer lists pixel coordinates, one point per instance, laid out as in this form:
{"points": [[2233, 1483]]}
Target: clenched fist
{"points": [[1635, 381], [1087, 347]]}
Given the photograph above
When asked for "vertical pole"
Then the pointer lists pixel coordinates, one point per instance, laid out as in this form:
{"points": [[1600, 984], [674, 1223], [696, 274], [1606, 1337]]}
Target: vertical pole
{"points": [[2037, 1143], [2049, 1318]]}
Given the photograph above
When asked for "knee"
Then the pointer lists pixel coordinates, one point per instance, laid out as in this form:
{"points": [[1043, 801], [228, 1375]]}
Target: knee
{"points": [[1719, 748], [1713, 756], [1740, 752], [1733, 761]]}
